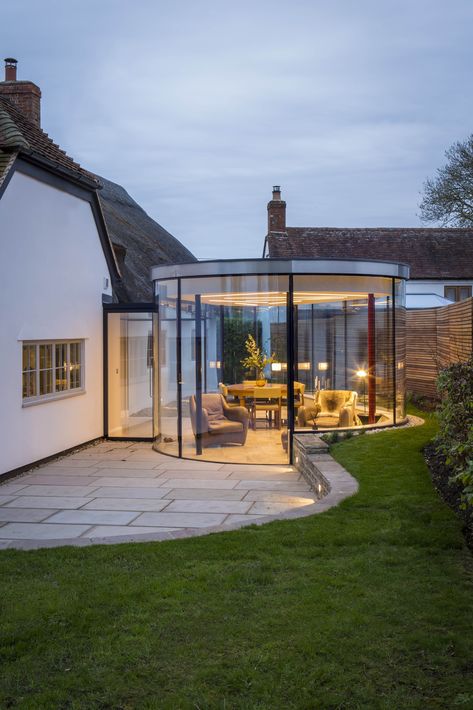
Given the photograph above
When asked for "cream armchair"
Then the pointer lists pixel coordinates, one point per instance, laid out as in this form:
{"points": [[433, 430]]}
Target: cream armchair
{"points": [[331, 408]]}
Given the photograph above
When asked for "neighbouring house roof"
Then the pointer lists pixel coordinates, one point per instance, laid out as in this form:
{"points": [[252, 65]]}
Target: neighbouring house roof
{"points": [[139, 242], [426, 300], [431, 253], [136, 240]]}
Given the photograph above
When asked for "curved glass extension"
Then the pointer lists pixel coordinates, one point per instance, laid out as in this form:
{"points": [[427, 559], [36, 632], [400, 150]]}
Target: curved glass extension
{"points": [[334, 332]]}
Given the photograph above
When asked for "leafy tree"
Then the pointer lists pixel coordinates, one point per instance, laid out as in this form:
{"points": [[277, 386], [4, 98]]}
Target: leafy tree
{"points": [[448, 197]]}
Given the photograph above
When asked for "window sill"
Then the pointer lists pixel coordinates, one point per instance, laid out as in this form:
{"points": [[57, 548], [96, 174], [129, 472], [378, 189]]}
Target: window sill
{"points": [[33, 401]]}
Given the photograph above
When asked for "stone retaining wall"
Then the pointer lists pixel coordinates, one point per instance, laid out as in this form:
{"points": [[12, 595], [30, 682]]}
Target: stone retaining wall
{"points": [[330, 482]]}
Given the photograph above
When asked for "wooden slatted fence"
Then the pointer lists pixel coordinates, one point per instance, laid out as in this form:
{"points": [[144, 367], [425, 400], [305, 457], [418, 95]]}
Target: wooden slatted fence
{"points": [[435, 338]]}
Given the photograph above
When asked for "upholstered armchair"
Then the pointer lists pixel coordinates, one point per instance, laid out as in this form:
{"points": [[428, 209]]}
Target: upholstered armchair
{"points": [[221, 424], [330, 408]]}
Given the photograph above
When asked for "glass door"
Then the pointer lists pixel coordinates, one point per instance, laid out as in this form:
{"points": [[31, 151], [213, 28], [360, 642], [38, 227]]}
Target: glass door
{"points": [[129, 353]]}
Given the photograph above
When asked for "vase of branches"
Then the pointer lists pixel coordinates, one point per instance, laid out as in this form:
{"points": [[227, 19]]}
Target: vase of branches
{"points": [[256, 360]]}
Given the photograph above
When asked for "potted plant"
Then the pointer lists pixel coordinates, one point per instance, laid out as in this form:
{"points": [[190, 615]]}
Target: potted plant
{"points": [[256, 360]]}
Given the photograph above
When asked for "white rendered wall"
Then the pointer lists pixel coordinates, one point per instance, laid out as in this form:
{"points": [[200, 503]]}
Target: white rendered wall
{"points": [[52, 271], [437, 286]]}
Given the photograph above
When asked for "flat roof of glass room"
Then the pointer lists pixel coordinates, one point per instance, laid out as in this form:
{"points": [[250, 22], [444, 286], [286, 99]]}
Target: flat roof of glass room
{"points": [[237, 267]]}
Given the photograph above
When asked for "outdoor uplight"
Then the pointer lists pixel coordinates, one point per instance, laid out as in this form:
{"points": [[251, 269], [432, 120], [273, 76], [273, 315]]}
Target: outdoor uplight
{"points": [[361, 373]]}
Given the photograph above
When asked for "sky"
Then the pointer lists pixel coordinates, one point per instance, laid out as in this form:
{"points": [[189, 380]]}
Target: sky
{"points": [[199, 107]]}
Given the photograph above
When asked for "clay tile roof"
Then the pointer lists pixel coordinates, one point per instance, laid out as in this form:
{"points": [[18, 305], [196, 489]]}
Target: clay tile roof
{"points": [[437, 252], [6, 161], [138, 240], [17, 132]]}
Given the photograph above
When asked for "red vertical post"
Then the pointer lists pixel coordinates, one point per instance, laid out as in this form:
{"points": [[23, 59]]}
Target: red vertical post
{"points": [[371, 360]]}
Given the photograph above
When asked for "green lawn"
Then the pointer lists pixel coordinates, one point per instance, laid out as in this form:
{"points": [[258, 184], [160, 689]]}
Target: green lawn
{"points": [[369, 605]]}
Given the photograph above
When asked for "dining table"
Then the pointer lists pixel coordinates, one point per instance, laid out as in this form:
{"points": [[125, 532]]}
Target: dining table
{"points": [[245, 391]]}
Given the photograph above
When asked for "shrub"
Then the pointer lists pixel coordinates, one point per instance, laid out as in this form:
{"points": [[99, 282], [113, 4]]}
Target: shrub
{"points": [[455, 440]]}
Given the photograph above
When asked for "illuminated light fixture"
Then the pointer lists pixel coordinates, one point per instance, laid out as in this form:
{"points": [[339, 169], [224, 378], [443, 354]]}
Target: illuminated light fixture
{"points": [[400, 365], [322, 366], [276, 366], [215, 364], [362, 374], [303, 365]]}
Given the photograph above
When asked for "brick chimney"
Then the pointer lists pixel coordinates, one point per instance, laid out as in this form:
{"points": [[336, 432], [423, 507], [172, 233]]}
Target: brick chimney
{"points": [[25, 95], [276, 212]]}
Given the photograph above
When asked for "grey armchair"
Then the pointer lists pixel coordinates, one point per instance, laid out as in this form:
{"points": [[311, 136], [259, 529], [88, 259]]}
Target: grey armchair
{"points": [[221, 424]]}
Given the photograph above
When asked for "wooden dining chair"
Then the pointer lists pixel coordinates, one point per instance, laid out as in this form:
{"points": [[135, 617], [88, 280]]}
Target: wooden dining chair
{"points": [[232, 402], [268, 400]]}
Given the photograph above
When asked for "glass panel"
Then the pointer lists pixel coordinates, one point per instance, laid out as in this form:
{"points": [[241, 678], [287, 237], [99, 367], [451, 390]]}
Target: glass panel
{"points": [[130, 394], [29, 384], [343, 351], [400, 316], [451, 293], [465, 292], [219, 317], [75, 377], [61, 367], [45, 369], [166, 420]]}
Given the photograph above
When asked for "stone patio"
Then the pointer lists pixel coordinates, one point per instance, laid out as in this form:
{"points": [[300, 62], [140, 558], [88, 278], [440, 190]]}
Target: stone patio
{"points": [[122, 491]]}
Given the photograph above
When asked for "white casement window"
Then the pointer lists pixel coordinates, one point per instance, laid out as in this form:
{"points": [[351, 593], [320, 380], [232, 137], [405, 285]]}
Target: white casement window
{"points": [[52, 370]]}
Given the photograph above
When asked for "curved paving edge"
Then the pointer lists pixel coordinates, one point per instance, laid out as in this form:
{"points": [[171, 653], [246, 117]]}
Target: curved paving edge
{"points": [[339, 483], [342, 485]]}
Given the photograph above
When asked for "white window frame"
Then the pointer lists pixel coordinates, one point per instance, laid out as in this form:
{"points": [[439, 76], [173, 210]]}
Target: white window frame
{"points": [[55, 394]]}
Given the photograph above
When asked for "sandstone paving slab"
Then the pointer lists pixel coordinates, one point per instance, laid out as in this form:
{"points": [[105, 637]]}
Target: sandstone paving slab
{"points": [[6, 499], [146, 455], [100, 457], [127, 492], [24, 515], [267, 468], [208, 506], [128, 472], [272, 507], [55, 502], [273, 485], [238, 518], [126, 463], [203, 494], [11, 488], [100, 531], [179, 520], [141, 505], [189, 465], [281, 497], [81, 491], [127, 481], [72, 463], [41, 531], [264, 476], [209, 475], [212, 484], [62, 480], [61, 471], [94, 517]]}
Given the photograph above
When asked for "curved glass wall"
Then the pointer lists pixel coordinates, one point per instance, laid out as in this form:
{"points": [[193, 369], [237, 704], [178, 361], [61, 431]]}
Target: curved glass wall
{"points": [[246, 360]]}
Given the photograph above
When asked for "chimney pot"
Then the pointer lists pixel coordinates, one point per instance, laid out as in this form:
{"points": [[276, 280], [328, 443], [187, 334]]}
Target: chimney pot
{"points": [[10, 69], [24, 95]]}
